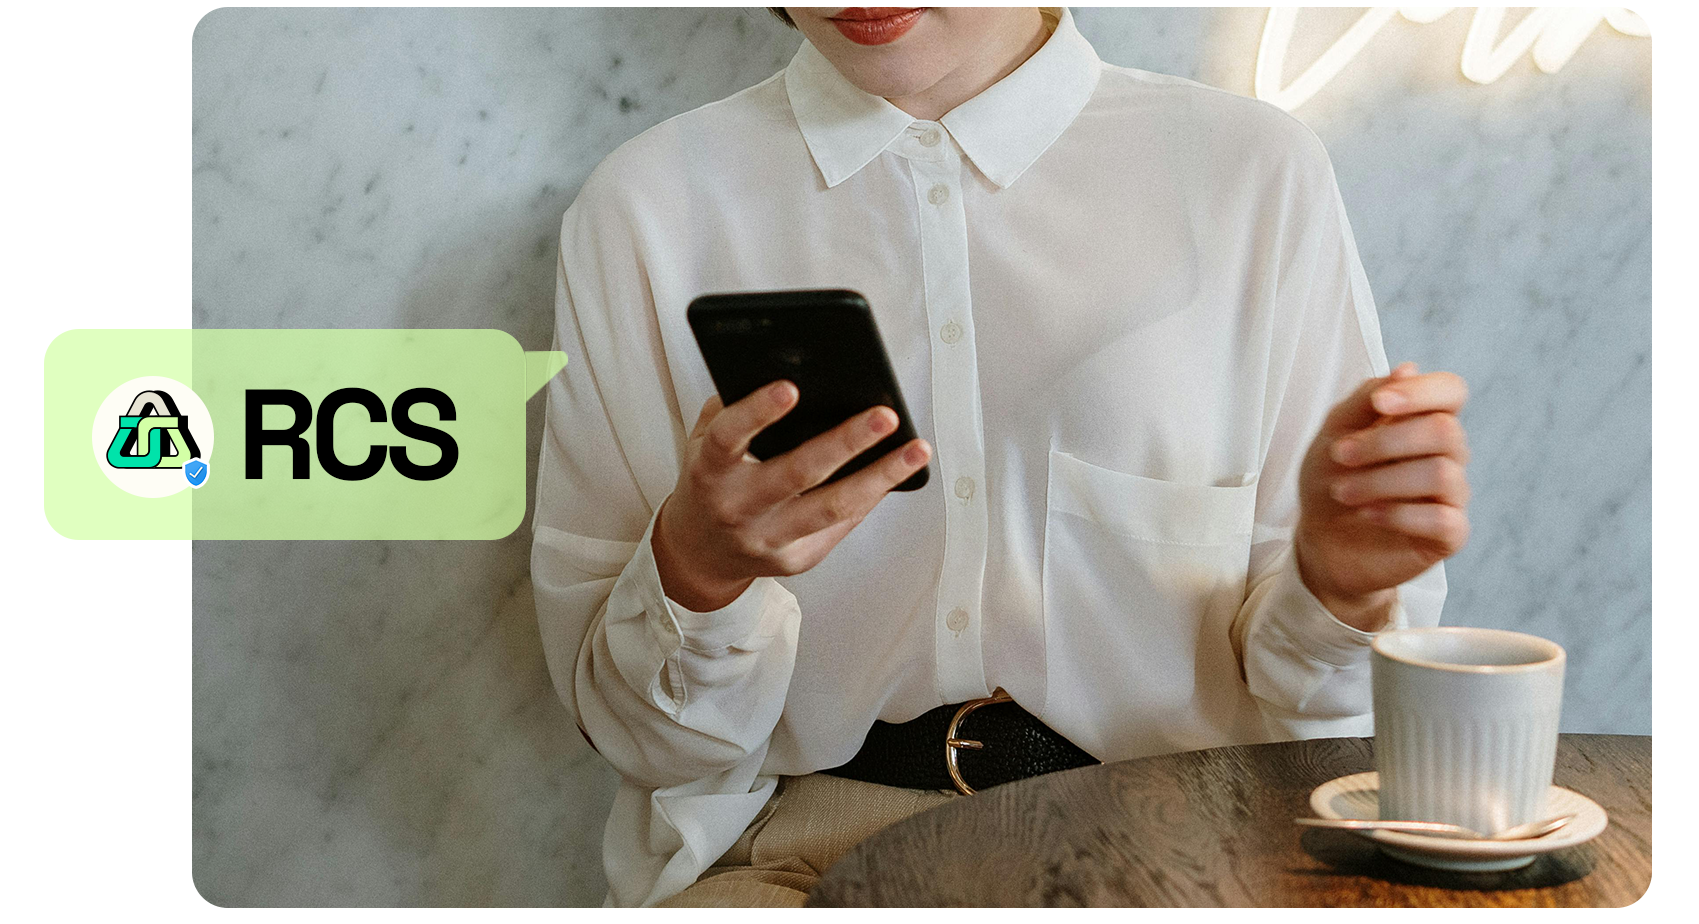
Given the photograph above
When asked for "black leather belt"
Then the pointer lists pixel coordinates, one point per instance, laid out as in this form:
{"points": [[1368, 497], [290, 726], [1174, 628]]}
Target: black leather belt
{"points": [[989, 741]]}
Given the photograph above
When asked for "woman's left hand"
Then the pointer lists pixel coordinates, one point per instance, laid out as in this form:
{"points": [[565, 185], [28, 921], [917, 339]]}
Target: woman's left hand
{"points": [[1383, 493]]}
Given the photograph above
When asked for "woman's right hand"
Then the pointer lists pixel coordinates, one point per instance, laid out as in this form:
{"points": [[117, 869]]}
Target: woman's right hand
{"points": [[733, 518]]}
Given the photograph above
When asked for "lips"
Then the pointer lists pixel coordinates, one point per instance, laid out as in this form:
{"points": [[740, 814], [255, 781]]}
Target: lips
{"points": [[876, 25], [865, 13]]}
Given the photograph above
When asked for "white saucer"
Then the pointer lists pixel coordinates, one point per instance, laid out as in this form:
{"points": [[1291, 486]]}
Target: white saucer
{"points": [[1358, 796]]}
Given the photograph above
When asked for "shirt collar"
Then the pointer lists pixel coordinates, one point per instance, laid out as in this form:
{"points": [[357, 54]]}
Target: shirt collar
{"points": [[1002, 130]]}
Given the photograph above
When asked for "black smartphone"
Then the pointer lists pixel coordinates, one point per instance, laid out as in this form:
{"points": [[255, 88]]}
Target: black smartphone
{"points": [[825, 341]]}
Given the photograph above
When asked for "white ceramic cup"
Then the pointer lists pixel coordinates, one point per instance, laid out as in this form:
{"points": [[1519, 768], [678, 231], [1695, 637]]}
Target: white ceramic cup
{"points": [[1466, 725]]}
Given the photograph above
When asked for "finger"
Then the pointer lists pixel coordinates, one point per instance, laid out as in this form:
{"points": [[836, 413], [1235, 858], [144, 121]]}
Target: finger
{"points": [[727, 437], [710, 409], [1436, 434], [1403, 370], [1435, 391], [1438, 477], [853, 497], [1439, 523], [814, 461]]}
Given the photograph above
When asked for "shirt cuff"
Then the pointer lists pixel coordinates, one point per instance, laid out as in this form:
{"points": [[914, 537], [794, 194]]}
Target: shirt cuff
{"points": [[748, 622], [1308, 624]]}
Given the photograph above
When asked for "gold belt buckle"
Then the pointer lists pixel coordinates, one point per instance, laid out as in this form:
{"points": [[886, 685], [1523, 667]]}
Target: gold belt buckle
{"points": [[951, 742]]}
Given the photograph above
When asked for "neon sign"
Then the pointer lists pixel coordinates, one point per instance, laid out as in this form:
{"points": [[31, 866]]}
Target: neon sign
{"points": [[1554, 35]]}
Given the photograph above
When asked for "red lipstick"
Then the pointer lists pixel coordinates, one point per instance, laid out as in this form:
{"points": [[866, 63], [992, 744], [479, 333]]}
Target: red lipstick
{"points": [[876, 25]]}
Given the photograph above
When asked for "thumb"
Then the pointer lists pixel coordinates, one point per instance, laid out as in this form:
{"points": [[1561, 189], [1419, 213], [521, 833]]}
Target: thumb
{"points": [[1356, 412]]}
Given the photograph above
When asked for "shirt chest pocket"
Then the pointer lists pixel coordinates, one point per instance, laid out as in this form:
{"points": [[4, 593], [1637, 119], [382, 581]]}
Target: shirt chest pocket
{"points": [[1147, 509], [1142, 579]]}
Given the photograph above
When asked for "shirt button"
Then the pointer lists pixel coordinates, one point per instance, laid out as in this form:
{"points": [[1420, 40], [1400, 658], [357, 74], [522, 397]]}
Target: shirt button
{"points": [[964, 488], [931, 137], [938, 195], [950, 332], [957, 620]]}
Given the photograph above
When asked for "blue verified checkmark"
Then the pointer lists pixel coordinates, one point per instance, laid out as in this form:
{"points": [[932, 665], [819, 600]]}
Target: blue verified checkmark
{"points": [[196, 472]]}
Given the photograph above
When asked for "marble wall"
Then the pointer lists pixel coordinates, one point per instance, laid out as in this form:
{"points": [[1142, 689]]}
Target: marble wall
{"points": [[373, 723]]}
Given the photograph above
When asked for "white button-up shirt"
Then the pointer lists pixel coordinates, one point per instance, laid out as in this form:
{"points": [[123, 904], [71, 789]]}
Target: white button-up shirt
{"points": [[1119, 305]]}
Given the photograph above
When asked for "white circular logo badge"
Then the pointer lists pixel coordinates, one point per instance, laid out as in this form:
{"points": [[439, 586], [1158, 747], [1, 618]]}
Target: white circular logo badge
{"points": [[153, 437]]}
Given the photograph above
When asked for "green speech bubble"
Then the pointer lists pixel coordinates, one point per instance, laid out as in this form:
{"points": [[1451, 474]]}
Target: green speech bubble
{"points": [[484, 374], [148, 433]]}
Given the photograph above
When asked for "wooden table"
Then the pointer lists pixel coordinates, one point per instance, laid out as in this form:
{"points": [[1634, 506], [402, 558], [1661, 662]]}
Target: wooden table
{"points": [[1213, 828]]}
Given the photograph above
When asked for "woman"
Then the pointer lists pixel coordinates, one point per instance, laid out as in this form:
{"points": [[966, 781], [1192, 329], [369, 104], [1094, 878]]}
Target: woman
{"points": [[1175, 489]]}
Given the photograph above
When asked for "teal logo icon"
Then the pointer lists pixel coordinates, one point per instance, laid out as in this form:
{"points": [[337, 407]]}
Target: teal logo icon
{"points": [[153, 437], [153, 433]]}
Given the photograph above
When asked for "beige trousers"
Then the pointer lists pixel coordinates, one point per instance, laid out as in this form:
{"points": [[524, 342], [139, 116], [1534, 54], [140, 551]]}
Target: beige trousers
{"points": [[809, 823]]}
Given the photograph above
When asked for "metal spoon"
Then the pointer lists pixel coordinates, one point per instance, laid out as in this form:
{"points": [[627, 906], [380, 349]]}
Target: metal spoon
{"points": [[1532, 829]]}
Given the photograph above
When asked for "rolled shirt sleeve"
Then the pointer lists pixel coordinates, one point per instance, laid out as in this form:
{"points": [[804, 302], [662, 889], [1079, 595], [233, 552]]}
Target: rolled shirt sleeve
{"points": [[681, 703], [1308, 671]]}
